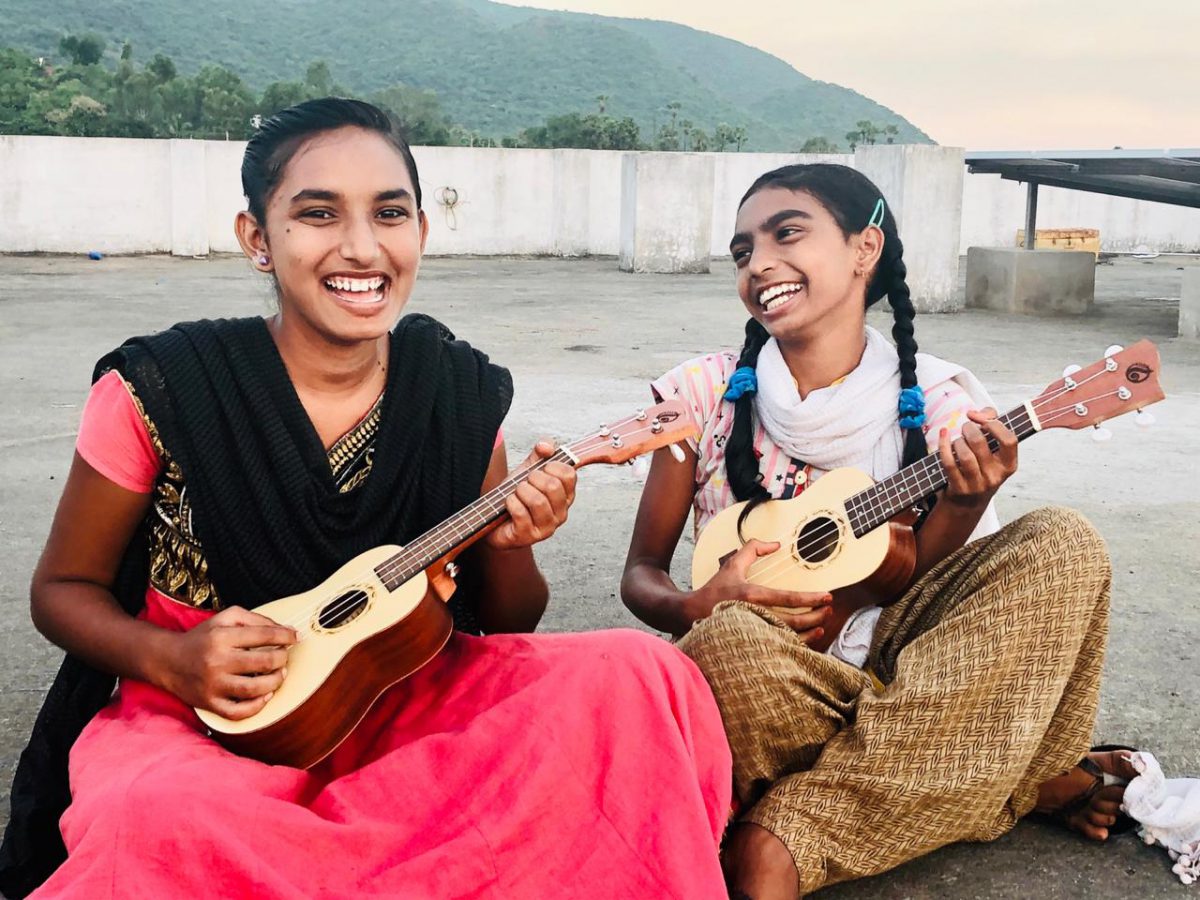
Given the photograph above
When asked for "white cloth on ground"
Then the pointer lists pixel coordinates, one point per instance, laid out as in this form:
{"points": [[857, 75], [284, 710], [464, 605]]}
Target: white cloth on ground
{"points": [[1168, 811]]}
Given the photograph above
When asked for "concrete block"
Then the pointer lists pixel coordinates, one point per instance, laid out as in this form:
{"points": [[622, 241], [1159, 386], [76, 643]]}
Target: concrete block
{"points": [[571, 189], [1189, 306], [924, 185], [666, 212], [1031, 281], [189, 200]]}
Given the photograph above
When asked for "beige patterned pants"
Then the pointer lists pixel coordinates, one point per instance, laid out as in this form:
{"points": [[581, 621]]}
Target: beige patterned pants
{"points": [[987, 678]]}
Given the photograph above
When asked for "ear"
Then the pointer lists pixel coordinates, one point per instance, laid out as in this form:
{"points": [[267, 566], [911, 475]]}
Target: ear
{"points": [[253, 240], [867, 250], [424, 219]]}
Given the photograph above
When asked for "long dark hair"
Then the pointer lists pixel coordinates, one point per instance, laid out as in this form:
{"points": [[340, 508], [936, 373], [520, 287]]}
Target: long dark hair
{"points": [[851, 199], [279, 137]]}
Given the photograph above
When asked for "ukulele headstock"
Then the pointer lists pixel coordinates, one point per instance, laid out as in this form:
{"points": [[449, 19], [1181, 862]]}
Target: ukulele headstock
{"points": [[1123, 381], [647, 429]]}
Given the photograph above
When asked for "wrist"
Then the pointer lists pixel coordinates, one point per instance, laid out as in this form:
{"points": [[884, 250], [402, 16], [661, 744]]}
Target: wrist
{"points": [[693, 607], [154, 665], [973, 505]]}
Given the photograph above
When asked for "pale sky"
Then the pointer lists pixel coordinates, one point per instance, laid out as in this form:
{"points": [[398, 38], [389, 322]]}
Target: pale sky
{"points": [[990, 75]]}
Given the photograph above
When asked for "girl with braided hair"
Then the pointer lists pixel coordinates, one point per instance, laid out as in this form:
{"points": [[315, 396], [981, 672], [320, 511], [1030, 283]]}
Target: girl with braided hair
{"points": [[222, 464], [955, 710]]}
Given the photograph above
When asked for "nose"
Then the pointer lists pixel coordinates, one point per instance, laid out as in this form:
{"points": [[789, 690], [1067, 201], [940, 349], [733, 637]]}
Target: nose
{"points": [[359, 244], [762, 262]]}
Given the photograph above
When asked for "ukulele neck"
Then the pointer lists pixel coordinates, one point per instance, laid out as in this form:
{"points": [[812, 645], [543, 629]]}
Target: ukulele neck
{"points": [[900, 492], [460, 527]]}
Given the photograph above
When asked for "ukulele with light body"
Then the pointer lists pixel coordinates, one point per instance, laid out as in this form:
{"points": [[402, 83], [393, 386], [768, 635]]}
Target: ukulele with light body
{"points": [[841, 533], [383, 615]]}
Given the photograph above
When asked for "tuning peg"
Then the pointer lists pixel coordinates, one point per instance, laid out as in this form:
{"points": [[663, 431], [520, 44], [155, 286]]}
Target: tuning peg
{"points": [[1143, 418], [1100, 434], [1113, 350], [677, 452], [1071, 370]]}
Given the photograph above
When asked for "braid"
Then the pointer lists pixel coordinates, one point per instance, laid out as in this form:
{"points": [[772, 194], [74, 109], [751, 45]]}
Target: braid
{"points": [[741, 462], [903, 313]]}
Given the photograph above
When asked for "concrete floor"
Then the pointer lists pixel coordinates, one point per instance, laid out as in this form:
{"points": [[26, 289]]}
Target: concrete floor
{"points": [[582, 341]]}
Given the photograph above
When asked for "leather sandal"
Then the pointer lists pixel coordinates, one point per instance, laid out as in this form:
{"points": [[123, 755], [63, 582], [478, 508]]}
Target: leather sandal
{"points": [[1062, 815]]}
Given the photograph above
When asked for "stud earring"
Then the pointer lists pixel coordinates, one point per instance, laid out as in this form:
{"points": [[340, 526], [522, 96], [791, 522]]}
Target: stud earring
{"points": [[264, 260]]}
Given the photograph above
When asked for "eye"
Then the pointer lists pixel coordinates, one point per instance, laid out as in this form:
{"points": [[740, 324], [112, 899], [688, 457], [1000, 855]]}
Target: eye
{"points": [[394, 212], [788, 231], [316, 214], [740, 255]]}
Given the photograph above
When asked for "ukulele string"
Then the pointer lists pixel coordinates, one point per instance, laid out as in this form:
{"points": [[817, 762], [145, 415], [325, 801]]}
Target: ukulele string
{"points": [[1065, 389]]}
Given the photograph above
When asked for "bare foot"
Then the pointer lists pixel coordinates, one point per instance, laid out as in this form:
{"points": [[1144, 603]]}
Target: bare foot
{"points": [[758, 866], [1080, 801]]}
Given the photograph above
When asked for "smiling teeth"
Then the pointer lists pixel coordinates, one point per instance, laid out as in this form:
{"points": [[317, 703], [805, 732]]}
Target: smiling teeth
{"points": [[778, 295], [354, 285]]}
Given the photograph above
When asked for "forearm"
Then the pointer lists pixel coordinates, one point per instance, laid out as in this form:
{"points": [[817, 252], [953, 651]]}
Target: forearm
{"points": [[85, 620], [653, 597], [515, 593], [946, 529]]}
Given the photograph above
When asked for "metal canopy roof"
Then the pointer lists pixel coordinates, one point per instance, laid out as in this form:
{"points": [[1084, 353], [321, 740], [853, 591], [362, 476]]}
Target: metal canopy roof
{"points": [[1166, 176]]}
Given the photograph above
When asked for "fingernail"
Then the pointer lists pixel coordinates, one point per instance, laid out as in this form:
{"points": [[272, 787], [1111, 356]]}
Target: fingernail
{"points": [[944, 432], [283, 672]]}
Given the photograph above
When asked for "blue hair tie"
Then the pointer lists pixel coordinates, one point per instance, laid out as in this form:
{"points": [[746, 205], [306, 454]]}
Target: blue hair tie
{"points": [[912, 407], [743, 381]]}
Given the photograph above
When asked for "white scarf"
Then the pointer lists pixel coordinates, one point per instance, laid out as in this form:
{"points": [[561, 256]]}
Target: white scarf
{"points": [[854, 422]]}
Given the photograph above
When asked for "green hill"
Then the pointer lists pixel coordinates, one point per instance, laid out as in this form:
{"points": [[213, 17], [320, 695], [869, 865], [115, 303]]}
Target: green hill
{"points": [[496, 68]]}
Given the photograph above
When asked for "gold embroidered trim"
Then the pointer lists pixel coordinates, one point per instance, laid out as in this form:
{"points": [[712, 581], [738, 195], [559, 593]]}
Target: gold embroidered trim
{"points": [[178, 566], [349, 447]]}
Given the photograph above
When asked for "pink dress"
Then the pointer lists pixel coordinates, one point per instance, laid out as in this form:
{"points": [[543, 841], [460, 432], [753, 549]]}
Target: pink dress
{"points": [[512, 766]]}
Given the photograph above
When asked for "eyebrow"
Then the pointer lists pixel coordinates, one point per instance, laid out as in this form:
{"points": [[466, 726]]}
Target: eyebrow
{"points": [[331, 196], [743, 237]]}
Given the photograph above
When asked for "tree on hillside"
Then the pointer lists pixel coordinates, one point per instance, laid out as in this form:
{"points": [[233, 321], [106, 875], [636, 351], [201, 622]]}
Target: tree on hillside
{"points": [[820, 144], [590, 132], [82, 117], [722, 136], [82, 51], [419, 111], [226, 104], [281, 94], [319, 79], [869, 133], [162, 68]]}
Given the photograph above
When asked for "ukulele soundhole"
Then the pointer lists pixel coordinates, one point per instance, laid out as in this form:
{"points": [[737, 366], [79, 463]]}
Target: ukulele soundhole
{"points": [[818, 540], [343, 609]]}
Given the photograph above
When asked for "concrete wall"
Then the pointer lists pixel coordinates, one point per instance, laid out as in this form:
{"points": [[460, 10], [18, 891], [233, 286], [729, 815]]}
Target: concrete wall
{"points": [[666, 225], [72, 195], [924, 185]]}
